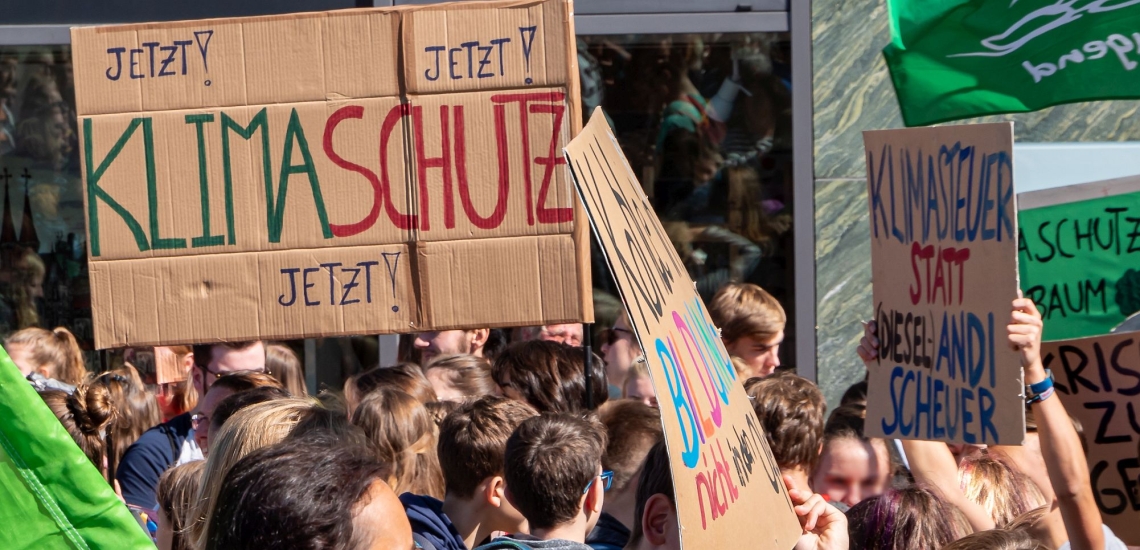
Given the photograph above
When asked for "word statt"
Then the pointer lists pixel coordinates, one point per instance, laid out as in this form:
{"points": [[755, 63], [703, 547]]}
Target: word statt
{"points": [[944, 260]]}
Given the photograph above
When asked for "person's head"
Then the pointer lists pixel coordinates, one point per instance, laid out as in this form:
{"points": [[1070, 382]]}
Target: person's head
{"points": [[851, 467], [175, 397], [855, 394], [619, 348], [997, 539], [282, 363], [900, 519], [272, 499], [450, 342], [235, 402], [993, 484], [553, 466], [569, 333], [790, 409], [177, 496], [548, 375], [637, 385], [404, 435], [252, 428], [212, 361], [223, 387], [656, 522], [751, 325], [632, 428], [136, 407], [460, 377], [86, 414], [50, 353], [407, 377], [1034, 523], [472, 444]]}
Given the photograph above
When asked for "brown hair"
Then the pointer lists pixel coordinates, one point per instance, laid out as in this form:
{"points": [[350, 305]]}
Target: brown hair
{"points": [[136, 407], [656, 479], [185, 395], [177, 496], [899, 519], [550, 376], [993, 484], [473, 440], [404, 435], [57, 350], [997, 539], [791, 411], [245, 380], [744, 309], [469, 374], [550, 459], [407, 377], [282, 363], [440, 410], [86, 414], [632, 428]]}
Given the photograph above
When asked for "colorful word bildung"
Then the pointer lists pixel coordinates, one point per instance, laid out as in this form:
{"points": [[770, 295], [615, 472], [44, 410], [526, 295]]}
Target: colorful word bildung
{"points": [[1098, 380], [336, 173], [724, 475], [944, 261]]}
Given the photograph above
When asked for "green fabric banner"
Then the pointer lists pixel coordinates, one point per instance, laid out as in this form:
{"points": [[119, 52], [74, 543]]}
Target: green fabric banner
{"points": [[1079, 256], [954, 59], [51, 496]]}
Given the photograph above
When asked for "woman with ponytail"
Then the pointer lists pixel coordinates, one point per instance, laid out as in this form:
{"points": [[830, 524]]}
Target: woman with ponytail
{"points": [[87, 414], [53, 354], [136, 408], [403, 432]]}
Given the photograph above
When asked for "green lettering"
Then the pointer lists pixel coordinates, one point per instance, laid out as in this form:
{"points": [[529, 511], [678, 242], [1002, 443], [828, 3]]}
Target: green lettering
{"points": [[96, 193], [156, 242], [203, 184], [259, 121], [277, 208]]}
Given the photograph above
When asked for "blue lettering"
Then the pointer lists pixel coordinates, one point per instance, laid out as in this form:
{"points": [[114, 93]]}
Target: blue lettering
{"points": [[292, 273], [967, 416], [691, 451], [307, 285], [349, 286], [986, 406], [937, 430], [896, 403], [428, 72]]}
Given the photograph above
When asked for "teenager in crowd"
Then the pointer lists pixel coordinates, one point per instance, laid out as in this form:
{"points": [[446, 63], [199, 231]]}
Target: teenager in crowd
{"points": [[791, 411], [403, 433], [901, 519], [406, 377], [46, 355], [621, 350], [312, 492], [1004, 493], [632, 428], [136, 411], [177, 497], [175, 398], [751, 324], [86, 413], [460, 377], [851, 465], [638, 386], [554, 476], [550, 376], [472, 442], [282, 363]]}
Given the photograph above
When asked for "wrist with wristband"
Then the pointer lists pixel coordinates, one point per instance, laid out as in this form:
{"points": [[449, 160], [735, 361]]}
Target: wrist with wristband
{"points": [[1040, 391]]}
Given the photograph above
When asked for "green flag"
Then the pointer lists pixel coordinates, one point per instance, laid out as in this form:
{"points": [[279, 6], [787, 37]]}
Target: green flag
{"points": [[51, 496], [954, 59]]}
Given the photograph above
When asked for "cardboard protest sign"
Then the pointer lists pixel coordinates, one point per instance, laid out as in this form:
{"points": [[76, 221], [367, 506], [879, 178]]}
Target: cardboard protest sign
{"points": [[727, 483], [348, 172], [1098, 380], [944, 271], [1079, 253]]}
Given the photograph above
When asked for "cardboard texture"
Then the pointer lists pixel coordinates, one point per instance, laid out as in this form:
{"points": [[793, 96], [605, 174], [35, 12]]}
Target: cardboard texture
{"points": [[725, 478], [944, 274], [1098, 379], [317, 174], [1078, 252]]}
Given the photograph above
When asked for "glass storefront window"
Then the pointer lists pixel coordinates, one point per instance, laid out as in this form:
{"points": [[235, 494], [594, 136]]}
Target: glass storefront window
{"points": [[705, 120]]}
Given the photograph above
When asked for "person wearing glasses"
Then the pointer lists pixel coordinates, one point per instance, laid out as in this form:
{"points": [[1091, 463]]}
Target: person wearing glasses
{"points": [[619, 349], [175, 441], [554, 475]]}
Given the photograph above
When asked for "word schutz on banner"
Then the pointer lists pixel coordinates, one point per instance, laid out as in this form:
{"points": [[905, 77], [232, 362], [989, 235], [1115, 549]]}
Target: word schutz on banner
{"points": [[944, 271], [724, 476]]}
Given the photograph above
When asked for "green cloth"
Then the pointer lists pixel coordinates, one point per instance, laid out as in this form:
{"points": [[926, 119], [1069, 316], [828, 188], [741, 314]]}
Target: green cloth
{"points": [[954, 59], [51, 496]]}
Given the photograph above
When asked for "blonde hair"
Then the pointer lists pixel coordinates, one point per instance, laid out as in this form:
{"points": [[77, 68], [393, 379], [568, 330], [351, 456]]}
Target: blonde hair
{"points": [[177, 496], [56, 350], [404, 433], [744, 309], [252, 428], [184, 395], [282, 363], [1004, 492], [469, 374], [637, 371]]}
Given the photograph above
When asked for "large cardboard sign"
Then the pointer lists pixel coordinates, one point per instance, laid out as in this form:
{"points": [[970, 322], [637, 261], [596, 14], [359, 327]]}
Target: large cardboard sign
{"points": [[348, 172], [1079, 255], [727, 483], [1098, 380], [944, 265]]}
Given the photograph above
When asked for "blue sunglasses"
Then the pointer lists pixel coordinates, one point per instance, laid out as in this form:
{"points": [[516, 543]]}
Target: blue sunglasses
{"points": [[607, 478]]}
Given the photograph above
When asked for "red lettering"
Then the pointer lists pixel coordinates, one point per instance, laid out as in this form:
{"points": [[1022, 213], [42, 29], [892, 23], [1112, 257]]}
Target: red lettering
{"points": [[960, 259], [524, 101], [400, 220], [942, 280], [552, 159], [348, 230], [496, 217], [443, 162]]}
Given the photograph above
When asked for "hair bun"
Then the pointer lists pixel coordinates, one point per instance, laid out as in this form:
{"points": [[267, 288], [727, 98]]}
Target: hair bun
{"points": [[92, 408]]}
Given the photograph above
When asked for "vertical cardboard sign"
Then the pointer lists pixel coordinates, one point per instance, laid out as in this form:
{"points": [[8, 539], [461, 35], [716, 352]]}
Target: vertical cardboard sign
{"points": [[1079, 255], [1098, 380], [727, 483], [331, 173], [944, 271]]}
